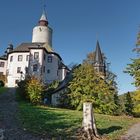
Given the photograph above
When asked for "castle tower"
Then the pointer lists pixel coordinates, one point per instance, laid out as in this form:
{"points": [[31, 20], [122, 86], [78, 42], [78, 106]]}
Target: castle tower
{"points": [[99, 62], [42, 33]]}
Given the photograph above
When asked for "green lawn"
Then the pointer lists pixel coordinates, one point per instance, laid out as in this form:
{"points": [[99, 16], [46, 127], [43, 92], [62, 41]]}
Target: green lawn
{"points": [[56, 122], [2, 89]]}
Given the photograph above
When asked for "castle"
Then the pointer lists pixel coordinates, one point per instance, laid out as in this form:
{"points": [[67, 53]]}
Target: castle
{"points": [[36, 58]]}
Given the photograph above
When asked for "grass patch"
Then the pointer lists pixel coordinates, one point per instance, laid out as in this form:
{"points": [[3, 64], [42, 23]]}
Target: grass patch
{"points": [[55, 122], [2, 89]]}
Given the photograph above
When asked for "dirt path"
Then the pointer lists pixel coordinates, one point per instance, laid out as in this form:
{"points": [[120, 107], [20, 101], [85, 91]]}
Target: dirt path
{"points": [[9, 126], [133, 133]]}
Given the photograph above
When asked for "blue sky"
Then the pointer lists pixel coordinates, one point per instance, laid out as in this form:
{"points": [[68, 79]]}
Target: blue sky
{"points": [[77, 24]]}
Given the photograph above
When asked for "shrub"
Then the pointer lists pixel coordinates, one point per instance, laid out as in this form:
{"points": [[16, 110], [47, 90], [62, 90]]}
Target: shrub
{"points": [[34, 89], [21, 90], [1, 83]]}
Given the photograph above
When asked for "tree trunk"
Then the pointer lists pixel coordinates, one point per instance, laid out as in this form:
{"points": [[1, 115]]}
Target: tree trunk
{"points": [[89, 124]]}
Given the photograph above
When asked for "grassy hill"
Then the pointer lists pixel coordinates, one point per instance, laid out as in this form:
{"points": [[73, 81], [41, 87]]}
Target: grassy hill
{"points": [[56, 122]]}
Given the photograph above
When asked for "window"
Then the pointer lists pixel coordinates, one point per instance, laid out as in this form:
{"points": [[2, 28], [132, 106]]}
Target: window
{"points": [[27, 57], [36, 55], [11, 58], [19, 57], [44, 57], [35, 67], [16, 81], [48, 71], [44, 69], [2, 64], [18, 69], [26, 70], [49, 59]]}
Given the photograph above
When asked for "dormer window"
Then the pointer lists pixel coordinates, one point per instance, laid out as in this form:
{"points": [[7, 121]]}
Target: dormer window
{"points": [[49, 59]]}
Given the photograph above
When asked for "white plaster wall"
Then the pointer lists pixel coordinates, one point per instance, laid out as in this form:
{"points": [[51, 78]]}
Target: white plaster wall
{"points": [[3, 69], [12, 68], [42, 34], [39, 62], [53, 67], [62, 74]]}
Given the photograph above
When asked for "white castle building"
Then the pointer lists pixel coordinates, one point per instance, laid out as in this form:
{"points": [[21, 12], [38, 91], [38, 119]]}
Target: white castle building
{"points": [[36, 58]]}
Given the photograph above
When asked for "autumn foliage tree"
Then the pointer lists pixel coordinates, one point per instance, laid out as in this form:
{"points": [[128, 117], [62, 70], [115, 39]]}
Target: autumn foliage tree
{"points": [[34, 88], [31, 89]]}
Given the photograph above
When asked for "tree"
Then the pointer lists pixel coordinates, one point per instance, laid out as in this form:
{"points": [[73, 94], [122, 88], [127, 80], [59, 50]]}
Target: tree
{"points": [[118, 106], [34, 88], [110, 79], [88, 86], [134, 70], [129, 106], [136, 97]]}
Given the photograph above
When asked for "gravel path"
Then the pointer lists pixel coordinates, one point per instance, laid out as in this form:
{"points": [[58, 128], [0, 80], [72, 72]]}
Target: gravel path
{"points": [[133, 133], [9, 126]]}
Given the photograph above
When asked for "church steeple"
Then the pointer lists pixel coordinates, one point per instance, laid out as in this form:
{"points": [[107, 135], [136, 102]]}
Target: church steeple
{"points": [[99, 63], [98, 54]]}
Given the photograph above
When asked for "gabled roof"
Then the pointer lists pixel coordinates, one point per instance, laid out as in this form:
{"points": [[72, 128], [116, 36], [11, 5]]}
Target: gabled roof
{"points": [[98, 54], [24, 47], [63, 66]]}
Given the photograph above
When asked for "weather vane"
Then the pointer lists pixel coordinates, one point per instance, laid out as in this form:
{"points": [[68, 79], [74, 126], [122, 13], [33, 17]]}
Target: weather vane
{"points": [[44, 4]]}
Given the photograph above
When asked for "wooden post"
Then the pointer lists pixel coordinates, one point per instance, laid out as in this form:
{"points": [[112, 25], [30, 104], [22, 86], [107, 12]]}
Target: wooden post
{"points": [[89, 120]]}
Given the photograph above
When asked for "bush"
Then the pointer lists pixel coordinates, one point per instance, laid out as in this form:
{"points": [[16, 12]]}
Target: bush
{"points": [[1, 83], [34, 89], [21, 90]]}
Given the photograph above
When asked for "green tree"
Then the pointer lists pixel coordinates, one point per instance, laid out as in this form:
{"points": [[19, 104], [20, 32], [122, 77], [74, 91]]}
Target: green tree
{"points": [[134, 70], [88, 86], [110, 79], [136, 97], [118, 106], [129, 105]]}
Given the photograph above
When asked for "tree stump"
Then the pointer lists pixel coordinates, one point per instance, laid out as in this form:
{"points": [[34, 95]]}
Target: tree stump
{"points": [[89, 125]]}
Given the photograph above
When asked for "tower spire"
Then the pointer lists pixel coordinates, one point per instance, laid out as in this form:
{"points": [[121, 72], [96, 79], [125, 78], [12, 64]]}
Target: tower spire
{"points": [[99, 63], [43, 19], [98, 54]]}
